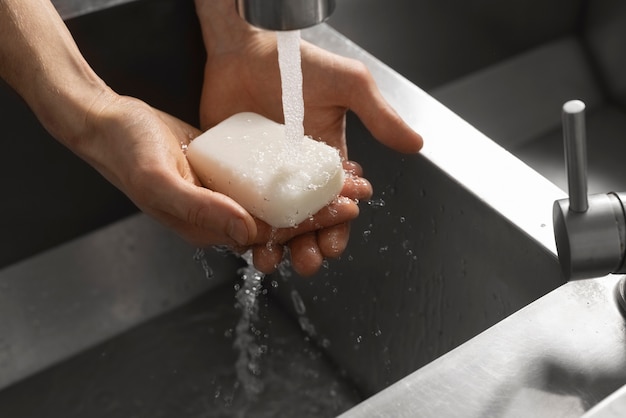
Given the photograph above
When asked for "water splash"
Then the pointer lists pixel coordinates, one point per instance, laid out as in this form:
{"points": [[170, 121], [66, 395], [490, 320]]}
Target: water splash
{"points": [[376, 203], [200, 257], [248, 365], [298, 303], [305, 323]]}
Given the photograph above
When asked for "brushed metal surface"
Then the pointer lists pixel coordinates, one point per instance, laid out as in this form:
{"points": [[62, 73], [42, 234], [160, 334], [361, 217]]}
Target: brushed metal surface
{"points": [[65, 300], [73, 8], [444, 252]]}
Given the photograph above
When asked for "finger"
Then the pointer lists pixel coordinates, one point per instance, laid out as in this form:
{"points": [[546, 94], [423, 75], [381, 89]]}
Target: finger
{"points": [[306, 256], [378, 116], [204, 210], [333, 241], [267, 257], [357, 188], [341, 210], [353, 168]]}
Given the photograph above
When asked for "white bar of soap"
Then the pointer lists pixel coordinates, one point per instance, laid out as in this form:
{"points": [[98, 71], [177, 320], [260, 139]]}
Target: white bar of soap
{"points": [[247, 158]]}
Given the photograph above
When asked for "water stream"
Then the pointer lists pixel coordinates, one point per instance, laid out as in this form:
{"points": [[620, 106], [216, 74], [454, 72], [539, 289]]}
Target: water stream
{"points": [[290, 64], [248, 365]]}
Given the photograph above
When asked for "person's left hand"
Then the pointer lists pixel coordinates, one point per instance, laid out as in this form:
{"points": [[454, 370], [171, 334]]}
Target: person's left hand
{"points": [[242, 74]]}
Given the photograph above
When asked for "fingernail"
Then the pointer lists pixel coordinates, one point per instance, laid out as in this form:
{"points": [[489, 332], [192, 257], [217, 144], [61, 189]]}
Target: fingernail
{"points": [[238, 230]]}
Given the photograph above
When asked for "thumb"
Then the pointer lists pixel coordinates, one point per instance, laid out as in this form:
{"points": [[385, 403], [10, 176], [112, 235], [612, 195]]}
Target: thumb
{"points": [[205, 217], [379, 117]]}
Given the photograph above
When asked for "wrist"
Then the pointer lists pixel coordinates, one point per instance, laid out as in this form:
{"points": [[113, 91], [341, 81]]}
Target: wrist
{"points": [[62, 104], [48, 72]]}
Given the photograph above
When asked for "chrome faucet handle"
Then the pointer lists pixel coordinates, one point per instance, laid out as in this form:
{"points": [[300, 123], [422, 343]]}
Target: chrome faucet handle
{"points": [[575, 142], [281, 15], [590, 231]]}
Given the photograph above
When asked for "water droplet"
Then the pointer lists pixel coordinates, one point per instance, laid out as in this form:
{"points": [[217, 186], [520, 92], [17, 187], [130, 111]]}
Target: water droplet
{"points": [[376, 203], [298, 303], [306, 325], [200, 257]]}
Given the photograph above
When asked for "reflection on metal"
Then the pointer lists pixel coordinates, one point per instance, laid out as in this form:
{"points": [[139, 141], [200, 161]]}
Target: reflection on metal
{"points": [[613, 406], [74, 8], [285, 14], [574, 135], [557, 357]]}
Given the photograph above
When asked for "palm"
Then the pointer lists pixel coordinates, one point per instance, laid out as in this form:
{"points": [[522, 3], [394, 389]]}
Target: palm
{"points": [[249, 80], [242, 74]]}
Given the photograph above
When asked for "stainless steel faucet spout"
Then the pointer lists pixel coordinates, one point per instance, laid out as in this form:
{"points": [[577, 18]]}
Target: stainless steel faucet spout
{"points": [[285, 15]]}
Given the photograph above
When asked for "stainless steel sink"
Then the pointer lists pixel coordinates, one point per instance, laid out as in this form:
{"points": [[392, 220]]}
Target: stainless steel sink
{"points": [[448, 301]]}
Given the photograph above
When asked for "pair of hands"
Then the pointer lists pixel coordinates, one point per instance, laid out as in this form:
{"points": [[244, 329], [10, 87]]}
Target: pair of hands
{"points": [[241, 74], [140, 149]]}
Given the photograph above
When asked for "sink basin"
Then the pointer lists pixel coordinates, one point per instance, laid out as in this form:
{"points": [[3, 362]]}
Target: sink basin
{"points": [[448, 301], [107, 348]]}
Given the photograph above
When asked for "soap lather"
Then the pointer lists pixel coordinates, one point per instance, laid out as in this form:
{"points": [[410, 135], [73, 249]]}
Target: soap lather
{"points": [[248, 158]]}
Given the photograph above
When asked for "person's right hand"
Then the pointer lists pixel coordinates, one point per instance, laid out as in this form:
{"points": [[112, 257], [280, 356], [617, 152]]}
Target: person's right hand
{"points": [[141, 151]]}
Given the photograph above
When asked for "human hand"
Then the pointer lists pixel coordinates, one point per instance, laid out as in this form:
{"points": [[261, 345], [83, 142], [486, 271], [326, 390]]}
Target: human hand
{"points": [[140, 150], [241, 74], [136, 147]]}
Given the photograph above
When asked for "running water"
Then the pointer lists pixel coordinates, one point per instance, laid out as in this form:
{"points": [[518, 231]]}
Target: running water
{"points": [[250, 353], [248, 366], [290, 64]]}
